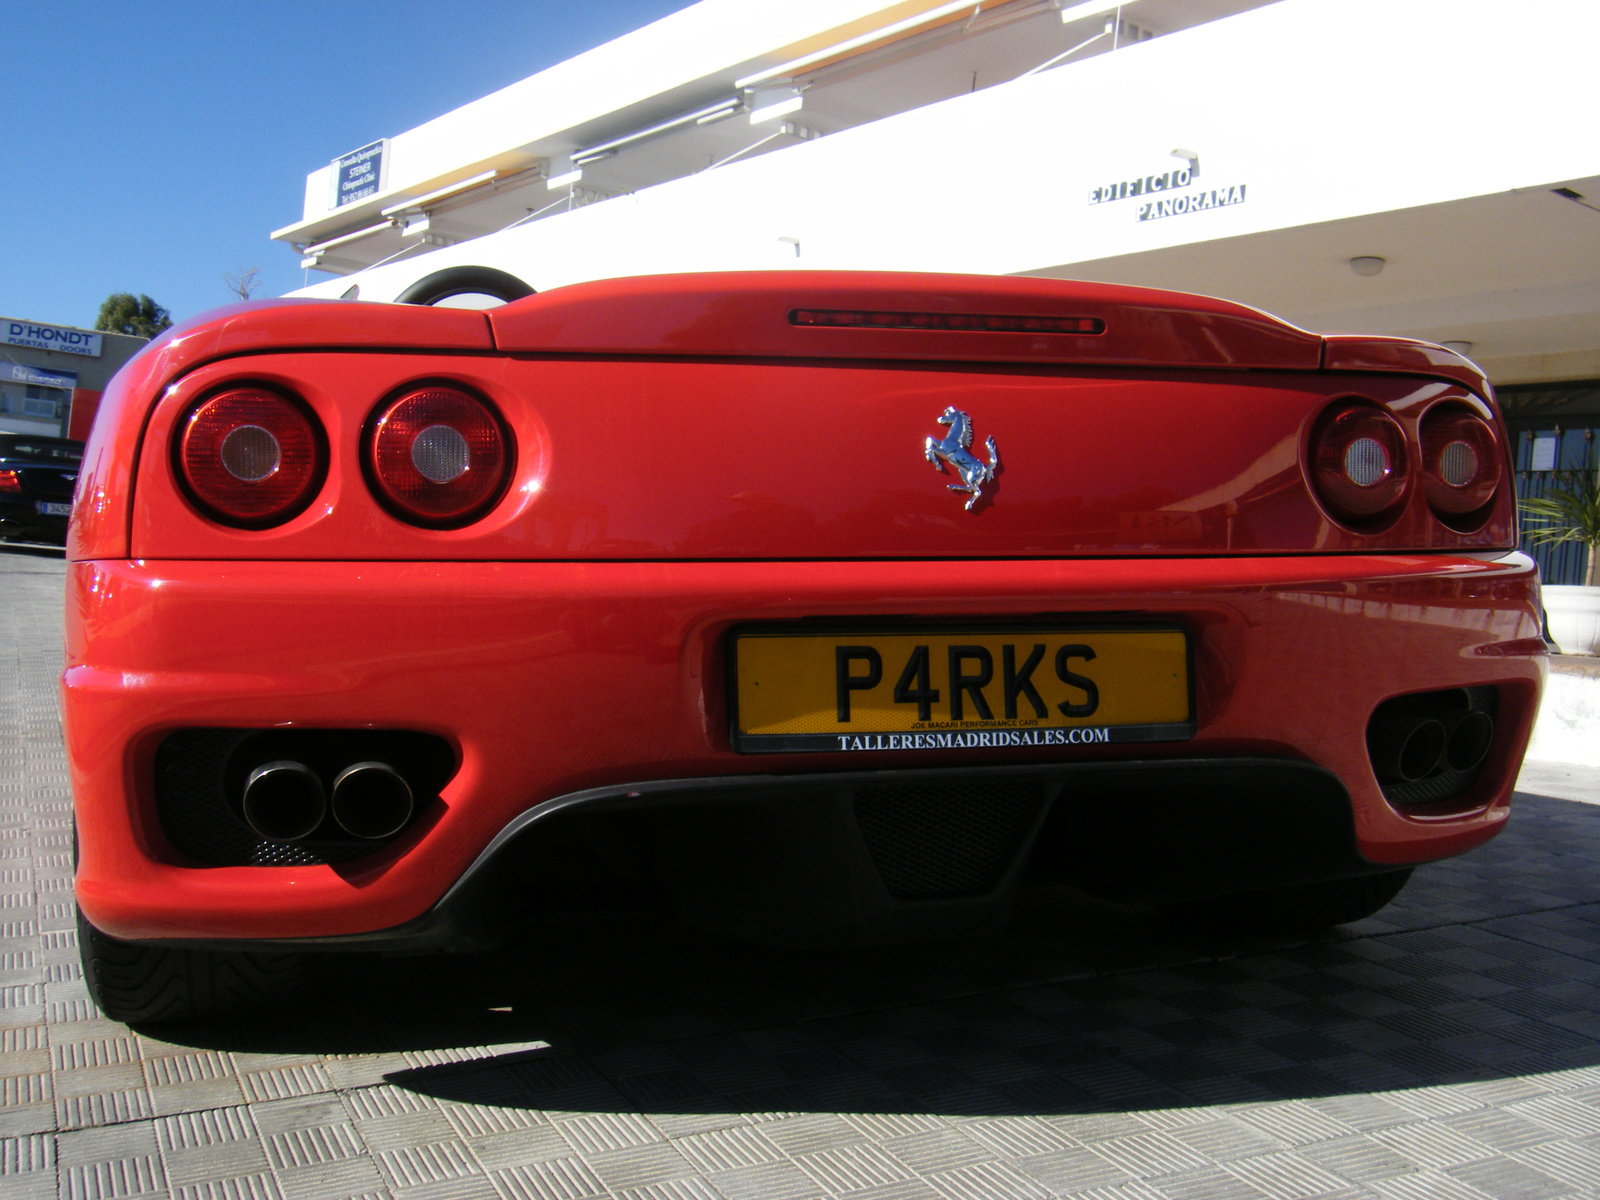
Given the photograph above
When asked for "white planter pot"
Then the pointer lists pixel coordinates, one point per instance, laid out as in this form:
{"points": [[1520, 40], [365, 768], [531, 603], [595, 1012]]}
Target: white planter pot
{"points": [[1574, 618]]}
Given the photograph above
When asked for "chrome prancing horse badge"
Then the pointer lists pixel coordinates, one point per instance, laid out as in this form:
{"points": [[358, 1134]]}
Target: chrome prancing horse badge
{"points": [[955, 448]]}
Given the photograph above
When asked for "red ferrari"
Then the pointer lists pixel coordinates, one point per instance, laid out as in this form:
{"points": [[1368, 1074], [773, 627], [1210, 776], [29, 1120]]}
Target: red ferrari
{"points": [[822, 608]]}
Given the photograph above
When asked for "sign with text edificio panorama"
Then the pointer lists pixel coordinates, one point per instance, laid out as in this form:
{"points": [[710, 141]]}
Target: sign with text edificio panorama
{"points": [[50, 337]]}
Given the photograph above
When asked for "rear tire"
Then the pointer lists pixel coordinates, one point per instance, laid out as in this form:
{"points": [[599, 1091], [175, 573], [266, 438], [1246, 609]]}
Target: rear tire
{"points": [[134, 983], [1298, 909]]}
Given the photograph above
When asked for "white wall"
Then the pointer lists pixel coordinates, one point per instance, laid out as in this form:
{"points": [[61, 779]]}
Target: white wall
{"points": [[1323, 109], [1568, 729], [701, 40]]}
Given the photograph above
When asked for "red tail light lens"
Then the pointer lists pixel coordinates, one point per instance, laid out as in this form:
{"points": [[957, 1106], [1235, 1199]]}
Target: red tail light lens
{"points": [[1358, 463], [10, 482], [1461, 460], [250, 456], [438, 456]]}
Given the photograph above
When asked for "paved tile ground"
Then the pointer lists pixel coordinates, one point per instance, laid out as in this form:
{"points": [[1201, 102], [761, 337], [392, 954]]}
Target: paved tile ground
{"points": [[1444, 1049]]}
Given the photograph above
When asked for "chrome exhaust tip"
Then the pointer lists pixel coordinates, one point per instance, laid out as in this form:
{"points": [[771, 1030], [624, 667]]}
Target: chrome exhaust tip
{"points": [[1469, 741], [284, 801], [1407, 747], [372, 801]]}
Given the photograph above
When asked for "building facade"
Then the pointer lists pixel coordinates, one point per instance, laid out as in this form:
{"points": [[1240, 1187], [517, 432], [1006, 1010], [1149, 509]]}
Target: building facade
{"points": [[51, 376]]}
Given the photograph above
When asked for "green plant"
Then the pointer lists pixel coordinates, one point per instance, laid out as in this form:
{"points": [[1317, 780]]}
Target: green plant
{"points": [[138, 315], [1569, 513]]}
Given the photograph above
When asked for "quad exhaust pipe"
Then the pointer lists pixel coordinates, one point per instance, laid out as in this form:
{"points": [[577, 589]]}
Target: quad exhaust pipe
{"points": [[1419, 736], [1469, 741], [371, 801], [285, 801], [1406, 747]]}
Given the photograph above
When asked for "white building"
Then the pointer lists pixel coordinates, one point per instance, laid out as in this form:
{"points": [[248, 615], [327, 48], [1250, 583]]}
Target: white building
{"points": [[1419, 167]]}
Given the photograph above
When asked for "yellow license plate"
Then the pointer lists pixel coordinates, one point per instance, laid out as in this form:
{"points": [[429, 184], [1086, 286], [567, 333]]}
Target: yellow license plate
{"points": [[848, 690]]}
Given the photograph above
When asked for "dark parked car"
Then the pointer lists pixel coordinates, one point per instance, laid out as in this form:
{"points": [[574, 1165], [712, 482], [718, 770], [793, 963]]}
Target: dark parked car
{"points": [[37, 475]]}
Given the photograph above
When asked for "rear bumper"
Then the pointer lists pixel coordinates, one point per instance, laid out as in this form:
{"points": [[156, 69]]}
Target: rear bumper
{"points": [[850, 857], [558, 679]]}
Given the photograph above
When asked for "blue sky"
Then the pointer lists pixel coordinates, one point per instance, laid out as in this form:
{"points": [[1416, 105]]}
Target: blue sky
{"points": [[151, 147]]}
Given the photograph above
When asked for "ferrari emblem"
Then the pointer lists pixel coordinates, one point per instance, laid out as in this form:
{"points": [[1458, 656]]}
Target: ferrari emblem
{"points": [[955, 448]]}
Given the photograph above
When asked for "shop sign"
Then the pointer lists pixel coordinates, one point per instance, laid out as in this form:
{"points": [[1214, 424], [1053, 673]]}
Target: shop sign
{"points": [[52, 337], [1174, 206], [1127, 189], [1155, 190], [34, 377], [359, 174]]}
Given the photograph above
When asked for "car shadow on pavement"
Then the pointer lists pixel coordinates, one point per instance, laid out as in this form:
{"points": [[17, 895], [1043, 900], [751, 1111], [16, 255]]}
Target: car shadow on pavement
{"points": [[1484, 970], [33, 549]]}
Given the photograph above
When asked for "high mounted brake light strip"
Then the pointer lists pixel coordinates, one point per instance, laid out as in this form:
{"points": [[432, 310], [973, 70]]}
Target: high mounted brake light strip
{"points": [[944, 322]]}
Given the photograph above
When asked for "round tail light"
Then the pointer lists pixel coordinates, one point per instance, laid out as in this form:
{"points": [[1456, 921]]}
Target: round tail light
{"points": [[1461, 460], [1358, 463], [250, 456], [438, 456]]}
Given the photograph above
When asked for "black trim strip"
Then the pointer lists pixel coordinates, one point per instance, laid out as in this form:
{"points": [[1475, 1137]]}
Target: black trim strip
{"points": [[999, 737]]}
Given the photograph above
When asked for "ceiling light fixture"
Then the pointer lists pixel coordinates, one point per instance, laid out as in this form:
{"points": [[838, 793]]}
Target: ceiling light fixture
{"points": [[1367, 264]]}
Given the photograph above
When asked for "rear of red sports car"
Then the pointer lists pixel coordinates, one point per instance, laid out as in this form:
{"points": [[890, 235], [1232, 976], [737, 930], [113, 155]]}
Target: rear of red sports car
{"points": [[823, 608]]}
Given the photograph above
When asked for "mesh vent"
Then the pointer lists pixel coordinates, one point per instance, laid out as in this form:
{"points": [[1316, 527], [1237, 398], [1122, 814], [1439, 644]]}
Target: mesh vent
{"points": [[199, 775], [200, 821], [1446, 783], [944, 841]]}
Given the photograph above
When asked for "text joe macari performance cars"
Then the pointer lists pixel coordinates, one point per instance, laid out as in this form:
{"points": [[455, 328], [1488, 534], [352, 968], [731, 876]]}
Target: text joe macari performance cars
{"points": [[817, 608]]}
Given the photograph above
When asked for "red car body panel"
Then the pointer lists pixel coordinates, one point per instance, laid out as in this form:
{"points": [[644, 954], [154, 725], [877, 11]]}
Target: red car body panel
{"points": [[702, 316], [607, 673], [103, 509], [1352, 352], [687, 461], [621, 459]]}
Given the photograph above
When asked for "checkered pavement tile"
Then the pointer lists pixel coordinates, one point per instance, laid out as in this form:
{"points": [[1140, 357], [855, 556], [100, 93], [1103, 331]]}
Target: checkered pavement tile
{"points": [[1444, 1048]]}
